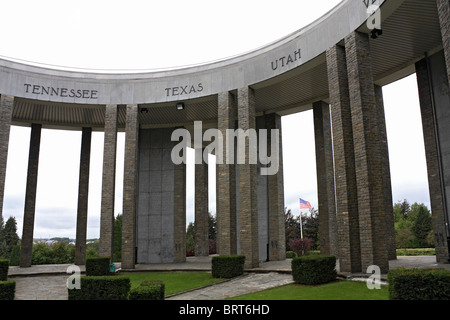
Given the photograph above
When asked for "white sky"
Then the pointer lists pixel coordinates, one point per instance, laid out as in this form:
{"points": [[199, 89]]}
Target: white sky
{"points": [[159, 34]]}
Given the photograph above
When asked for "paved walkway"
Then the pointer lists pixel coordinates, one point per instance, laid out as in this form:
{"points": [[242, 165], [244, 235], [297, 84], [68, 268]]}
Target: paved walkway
{"points": [[48, 282]]}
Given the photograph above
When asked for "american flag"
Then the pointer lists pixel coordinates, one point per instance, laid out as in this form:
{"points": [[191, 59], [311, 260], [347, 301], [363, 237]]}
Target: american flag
{"points": [[304, 204]]}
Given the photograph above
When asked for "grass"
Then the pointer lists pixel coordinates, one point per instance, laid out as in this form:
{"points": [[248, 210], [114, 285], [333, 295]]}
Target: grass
{"points": [[174, 282], [338, 290]]}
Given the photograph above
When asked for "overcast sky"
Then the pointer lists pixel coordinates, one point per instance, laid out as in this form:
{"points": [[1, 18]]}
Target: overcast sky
{"points": [[142, 35]]}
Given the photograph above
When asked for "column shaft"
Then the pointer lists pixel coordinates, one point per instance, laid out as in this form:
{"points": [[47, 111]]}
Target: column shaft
{"points": [[108, 182], [248, 206], [130, 188], [325, 178], [348, 250], [432, 153], [226, 180], [386, 175], [179, 208], [201, 210], [30, 196], [83, 195], [6, 109], [369, 160], [277, 234]]}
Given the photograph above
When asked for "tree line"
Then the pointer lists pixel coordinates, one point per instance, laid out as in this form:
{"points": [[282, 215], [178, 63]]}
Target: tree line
{"points": [[413, 229]]}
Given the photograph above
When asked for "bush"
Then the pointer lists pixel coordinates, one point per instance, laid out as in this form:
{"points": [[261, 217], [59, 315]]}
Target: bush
{"points": [[419, 284], [227, 266], [7, 290], [290, 254], [300, 246], [98, 266], [101, 288], [148, 290], [4, 267], [314, 269]]}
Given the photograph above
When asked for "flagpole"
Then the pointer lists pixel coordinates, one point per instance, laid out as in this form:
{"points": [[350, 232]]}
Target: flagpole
{"points": [[301, 225]]}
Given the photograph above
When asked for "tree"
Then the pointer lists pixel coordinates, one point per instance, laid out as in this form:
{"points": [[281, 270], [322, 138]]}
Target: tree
{"points": [[8, 238], [190, 239], [404, 238], [292, 227], [422, 223], [212, 225], [311, 227], [401, 209]]}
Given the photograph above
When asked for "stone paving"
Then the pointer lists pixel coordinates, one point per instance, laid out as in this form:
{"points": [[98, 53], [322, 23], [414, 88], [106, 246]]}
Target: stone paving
{"points": [[247, 283], [48, 282]]}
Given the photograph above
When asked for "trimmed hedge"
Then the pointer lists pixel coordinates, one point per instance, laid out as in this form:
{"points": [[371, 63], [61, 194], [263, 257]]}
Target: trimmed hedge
{"points": [[7, 290], [4, 267], [227, 266], [101, 288], [314, 269], [290, 254], [148, 290], [98, 266], [419, 284]]}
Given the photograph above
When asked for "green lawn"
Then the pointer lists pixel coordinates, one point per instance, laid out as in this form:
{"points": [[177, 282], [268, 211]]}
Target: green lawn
{"points": [[339, 290], [174, 281]]}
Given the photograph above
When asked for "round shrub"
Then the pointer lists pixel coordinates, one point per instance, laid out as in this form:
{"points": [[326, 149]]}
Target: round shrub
{"points": [[314, 269], [290, 254]]}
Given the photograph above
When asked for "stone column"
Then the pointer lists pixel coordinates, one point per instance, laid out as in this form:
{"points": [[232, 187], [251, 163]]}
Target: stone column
{"points": [[130, 188], [179, 213], [248, 207], [30, 196], [6, 109], [275, 187], [432, 153], [226, 179], [108, 182], [443, 7], [201, 209], [369, 158], [387, 185], [83, 195], [325, 178], [348, 243]]}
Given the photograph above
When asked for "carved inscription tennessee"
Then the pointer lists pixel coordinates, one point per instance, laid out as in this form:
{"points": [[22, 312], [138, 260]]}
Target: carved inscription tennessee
{"points": [[61, 92]]}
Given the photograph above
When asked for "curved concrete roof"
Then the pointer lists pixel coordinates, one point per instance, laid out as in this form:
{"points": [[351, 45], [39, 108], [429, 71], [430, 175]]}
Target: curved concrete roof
{"points": [[287, 75]]}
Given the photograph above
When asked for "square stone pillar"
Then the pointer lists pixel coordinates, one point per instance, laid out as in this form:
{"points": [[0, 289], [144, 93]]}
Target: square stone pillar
{"points": [[348, 242], [434, 159], [179, 207], [369, 156], [226, 179], [275, 194], [108, 182], [201, 209], [30, 196], [161, 204], [387, 185], [248, 206], [6, 109], [325, 178], [130, 188], [83, 196], [443, 7]]}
